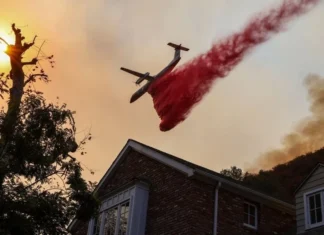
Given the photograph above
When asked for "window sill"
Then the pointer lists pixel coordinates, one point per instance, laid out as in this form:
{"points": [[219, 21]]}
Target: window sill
{"points": [[250, 226], [309, 227]]}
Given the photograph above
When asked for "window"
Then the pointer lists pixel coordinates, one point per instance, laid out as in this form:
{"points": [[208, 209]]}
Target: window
{"points": [[314, 209], [96, 226], [116, 220], [250, 215], [123, 213]]}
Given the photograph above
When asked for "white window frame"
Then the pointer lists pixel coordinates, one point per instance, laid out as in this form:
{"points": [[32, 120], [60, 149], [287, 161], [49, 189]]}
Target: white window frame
{"points": [[117, 226], [137, 196], [255, 216], [308, 225]]}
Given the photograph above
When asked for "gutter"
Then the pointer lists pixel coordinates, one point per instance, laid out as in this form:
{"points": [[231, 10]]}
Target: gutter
{"points": [[216, 208]]}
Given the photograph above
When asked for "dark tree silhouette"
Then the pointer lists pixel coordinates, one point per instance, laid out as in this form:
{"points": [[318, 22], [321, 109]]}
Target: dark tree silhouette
{"points": [[41, 187], [234, 173], [282, 180]]}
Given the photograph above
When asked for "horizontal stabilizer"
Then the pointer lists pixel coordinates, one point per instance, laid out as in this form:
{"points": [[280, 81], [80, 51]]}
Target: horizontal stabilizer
{"points": [[175, 46], [132, 72], [141, 79]]}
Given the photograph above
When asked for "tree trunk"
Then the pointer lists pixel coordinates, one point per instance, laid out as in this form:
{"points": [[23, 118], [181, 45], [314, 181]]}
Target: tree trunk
{"points": [[17, 90]]}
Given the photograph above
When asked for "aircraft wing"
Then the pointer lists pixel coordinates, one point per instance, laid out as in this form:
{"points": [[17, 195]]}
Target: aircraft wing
{"points": [[132, 72]]}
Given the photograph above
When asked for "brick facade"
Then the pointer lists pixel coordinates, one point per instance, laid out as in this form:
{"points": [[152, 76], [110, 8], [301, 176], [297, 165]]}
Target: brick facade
{"points": [[179, 205], [230, 216]]}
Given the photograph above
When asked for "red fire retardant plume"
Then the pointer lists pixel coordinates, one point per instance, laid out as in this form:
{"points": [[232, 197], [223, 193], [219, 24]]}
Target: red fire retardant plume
{"points": [[175, 94]]}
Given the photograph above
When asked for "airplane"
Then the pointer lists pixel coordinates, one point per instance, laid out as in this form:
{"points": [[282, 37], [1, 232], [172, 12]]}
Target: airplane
{"points": [[150, 78]]}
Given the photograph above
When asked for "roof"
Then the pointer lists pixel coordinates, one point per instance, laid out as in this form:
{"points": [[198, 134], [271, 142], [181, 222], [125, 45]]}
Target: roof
{"points": [[192, 170], [308, 176]]}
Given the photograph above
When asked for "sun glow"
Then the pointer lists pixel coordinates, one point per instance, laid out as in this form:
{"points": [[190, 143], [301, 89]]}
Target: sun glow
{"points": [[3, 46]]}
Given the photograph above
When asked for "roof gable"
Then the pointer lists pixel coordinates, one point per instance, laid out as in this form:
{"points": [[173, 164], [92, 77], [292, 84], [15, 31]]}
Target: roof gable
{"points": [[190, 170], [148, 152], [315, 169]]}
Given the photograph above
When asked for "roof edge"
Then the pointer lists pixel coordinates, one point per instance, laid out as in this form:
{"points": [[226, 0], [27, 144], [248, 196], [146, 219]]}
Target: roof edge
{"points": [[276, 203], [308, 176], [176, 164], [114, 163]]}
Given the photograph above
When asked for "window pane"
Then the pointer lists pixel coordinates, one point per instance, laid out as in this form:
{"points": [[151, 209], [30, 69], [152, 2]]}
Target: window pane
{"points": [[252, 220], [311, 202], [123, 219], [318, 200], [250, 213], [96, 227], [110, 221], [319, 215], [127, 207], [312, 217], [252, 210]]}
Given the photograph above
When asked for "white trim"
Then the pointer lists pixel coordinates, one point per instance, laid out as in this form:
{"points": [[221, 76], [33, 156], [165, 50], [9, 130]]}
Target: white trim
{"points": [[137, 197], [306, 211], [314, 191], [255, 215], [90, 226], [129, 225], [216, 208], [102, 224], [117, 198], [308, 177]]}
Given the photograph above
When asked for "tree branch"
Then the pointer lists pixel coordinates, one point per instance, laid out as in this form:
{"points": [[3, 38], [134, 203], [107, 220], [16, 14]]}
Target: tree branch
{"points": [[18, 36], [1, 39], [13, 26], [37, 181], [28, 45], [32, 62], [32, 77]]}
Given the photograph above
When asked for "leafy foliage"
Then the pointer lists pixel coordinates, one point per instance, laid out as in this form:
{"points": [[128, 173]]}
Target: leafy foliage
{"points": [[234, 172], [41, 185]]}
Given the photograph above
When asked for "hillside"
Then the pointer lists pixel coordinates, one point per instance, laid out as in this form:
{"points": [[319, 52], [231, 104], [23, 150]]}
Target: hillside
{"points": [[283, 179]]}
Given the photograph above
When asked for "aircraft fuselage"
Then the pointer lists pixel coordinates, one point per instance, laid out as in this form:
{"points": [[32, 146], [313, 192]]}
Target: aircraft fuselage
{"points": [[163, 72]]}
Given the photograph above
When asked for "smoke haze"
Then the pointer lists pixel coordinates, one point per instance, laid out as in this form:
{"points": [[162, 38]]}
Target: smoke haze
{"points": [[244, 114], [307, 136]]}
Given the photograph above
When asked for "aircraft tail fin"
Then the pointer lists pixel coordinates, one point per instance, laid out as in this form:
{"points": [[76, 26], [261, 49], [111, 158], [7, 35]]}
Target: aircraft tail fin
{"points": [[175, 46]]}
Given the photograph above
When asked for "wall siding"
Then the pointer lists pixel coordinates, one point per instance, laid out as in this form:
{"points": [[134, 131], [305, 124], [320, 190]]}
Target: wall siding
{"points": [[314, 182]]}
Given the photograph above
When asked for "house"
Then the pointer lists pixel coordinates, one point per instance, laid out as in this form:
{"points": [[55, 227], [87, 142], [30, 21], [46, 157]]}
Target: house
{"points": [[147, 191], [309, 198]]}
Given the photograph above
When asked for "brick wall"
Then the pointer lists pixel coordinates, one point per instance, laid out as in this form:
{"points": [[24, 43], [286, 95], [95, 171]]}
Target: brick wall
{"points": [[270, 221], [179, 205]]}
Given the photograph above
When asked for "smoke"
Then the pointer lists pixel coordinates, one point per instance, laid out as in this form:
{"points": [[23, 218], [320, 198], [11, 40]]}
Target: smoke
{"points": [[177, 93], [308, 135]]}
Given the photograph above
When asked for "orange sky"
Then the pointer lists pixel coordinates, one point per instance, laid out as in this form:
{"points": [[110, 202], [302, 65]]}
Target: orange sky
{"points": [[246, 113]]}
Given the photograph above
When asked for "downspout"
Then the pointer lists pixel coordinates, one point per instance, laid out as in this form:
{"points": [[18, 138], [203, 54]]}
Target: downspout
{"points": [[216, 208]]}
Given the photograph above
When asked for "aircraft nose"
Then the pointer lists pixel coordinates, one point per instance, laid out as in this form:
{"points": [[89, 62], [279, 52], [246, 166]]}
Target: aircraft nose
{"points": [[133, 98]]}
